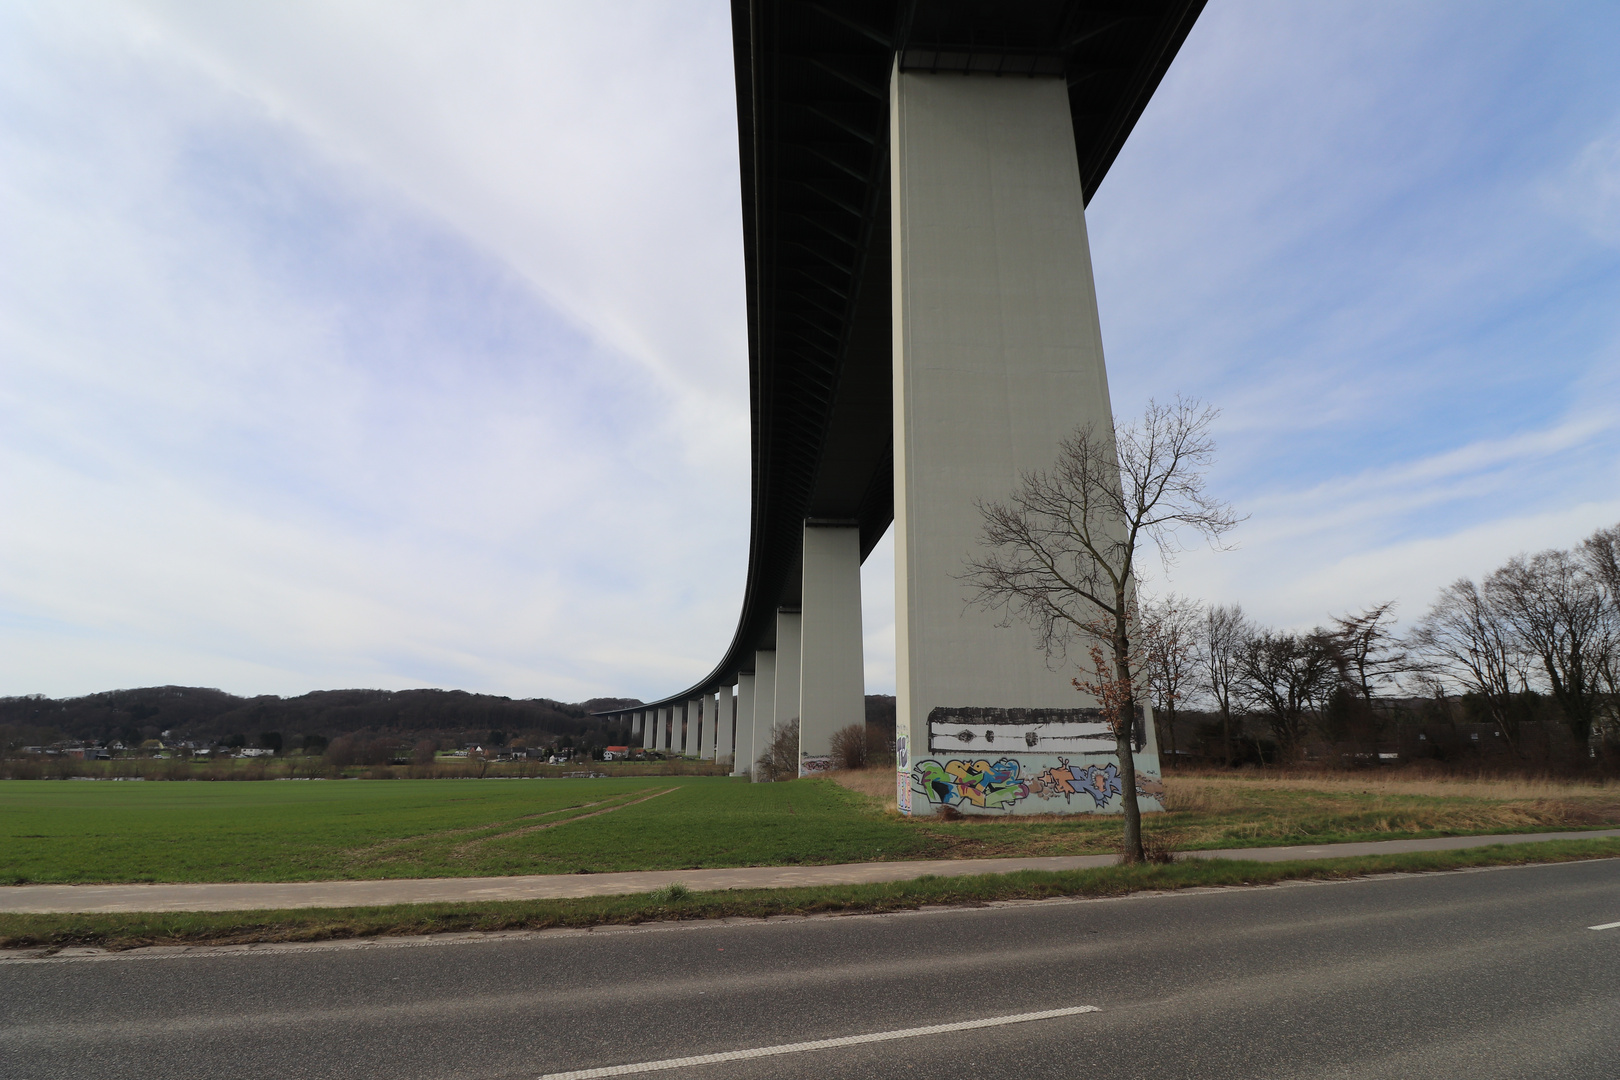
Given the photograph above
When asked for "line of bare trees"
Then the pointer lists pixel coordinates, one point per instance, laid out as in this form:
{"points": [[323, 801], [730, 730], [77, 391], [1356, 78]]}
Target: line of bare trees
{"points": [[1537, 641]]}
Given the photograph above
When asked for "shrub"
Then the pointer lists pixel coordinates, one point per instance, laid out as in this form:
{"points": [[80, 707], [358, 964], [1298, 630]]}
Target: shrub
{"points": [[862, 746], [780, 761], [849, 747]]}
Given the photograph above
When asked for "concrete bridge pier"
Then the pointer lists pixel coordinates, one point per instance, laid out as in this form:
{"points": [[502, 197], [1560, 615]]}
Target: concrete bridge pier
{"points": [[742, 754], [997, 358], [832, 694], [789, 664], [694, 728], [726, 722], [764, 707], [645, 720]]}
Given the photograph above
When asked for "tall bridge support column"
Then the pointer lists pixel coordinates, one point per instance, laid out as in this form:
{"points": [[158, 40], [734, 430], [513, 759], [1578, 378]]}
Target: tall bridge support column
{"points": [[742, 754], [725, 723], [705, 736], [997, 358], [832, 664], [694, 727], [789, 664], [645, 718], [764, 707], [661, 730]]}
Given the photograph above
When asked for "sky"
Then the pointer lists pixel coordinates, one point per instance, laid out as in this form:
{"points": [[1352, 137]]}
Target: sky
{"points": [[351, 344]]}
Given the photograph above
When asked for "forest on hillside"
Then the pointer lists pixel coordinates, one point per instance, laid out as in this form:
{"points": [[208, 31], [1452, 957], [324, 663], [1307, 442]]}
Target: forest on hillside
{"points": [[206, 716]]}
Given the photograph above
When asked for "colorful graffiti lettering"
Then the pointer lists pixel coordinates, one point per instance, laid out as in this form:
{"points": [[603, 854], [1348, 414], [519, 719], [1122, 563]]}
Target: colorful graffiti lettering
{"points": [[1000, 784], [979, 783]]}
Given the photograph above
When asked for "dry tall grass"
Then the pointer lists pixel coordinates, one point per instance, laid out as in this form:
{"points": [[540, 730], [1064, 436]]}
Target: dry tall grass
{"points": [[1214, 793], [876, 782], [1223, 809]]}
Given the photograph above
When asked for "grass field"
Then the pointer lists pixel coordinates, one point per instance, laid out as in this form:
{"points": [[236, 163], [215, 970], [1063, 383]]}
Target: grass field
{"points": [[68, 831]]}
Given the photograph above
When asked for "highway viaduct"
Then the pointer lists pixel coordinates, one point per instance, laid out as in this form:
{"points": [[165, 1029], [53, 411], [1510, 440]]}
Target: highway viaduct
{"points": [[922, 327]]}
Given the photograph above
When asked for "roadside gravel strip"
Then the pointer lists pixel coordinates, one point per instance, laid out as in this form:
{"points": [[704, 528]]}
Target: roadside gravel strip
{"points": [[255, 896]]}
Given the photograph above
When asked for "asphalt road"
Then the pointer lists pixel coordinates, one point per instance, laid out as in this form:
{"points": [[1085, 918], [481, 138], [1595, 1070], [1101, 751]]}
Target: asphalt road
{"points": [[1478, 975]]}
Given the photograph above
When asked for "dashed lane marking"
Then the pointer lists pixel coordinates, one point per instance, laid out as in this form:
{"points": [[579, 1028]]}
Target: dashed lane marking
{"points": [[1605, 926]]}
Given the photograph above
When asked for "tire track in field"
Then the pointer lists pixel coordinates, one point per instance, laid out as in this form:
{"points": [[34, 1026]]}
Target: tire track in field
{"points": [[465, 849], [386, 850]]}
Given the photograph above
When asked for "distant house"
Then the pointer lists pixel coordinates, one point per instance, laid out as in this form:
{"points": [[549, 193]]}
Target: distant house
{"points": [[616, 753]]}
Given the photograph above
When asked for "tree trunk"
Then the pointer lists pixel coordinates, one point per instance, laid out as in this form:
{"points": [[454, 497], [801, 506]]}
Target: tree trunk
{"points": [[1123, 726], [1133, 852]]}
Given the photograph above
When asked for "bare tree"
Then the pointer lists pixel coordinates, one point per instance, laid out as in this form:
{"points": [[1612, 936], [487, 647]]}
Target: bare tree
{"points": [[1369, 655], [1601, 554], [849, 747], [1060, 555], [1557, 610], [1463, 638], [1223, 636], [1170, 630], [1286, 677], [780, 761]]}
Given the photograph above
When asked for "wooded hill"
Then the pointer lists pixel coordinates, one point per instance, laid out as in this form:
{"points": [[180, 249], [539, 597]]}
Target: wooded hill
{"points": [[206, 715]]}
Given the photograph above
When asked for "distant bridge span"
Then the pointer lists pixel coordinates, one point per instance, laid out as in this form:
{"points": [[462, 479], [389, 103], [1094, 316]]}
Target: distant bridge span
{"points": [[815, 100]]}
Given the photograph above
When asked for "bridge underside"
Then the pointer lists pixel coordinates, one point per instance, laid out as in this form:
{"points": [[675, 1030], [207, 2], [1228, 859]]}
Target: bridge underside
{"points": [[813, 98]]}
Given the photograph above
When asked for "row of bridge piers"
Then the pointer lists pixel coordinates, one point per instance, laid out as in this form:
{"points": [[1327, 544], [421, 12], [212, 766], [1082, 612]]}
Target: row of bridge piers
{"points": [[814, 675]]}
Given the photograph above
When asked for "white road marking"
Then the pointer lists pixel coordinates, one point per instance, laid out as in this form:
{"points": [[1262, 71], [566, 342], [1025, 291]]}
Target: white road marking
{"points": [[1604, 926], [818, 1044]]}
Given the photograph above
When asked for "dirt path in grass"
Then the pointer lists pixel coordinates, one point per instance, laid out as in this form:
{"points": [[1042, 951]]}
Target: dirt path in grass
{"points": [[462, 850], [403, 847]]}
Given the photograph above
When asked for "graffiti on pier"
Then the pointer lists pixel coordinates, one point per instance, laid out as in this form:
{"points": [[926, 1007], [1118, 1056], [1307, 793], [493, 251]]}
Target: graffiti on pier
{"points": [[902, 799], [983, 784], [1001, 784]]}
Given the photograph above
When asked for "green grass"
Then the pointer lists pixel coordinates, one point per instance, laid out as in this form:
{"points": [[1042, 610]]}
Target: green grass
{"points": [[56, 831], [64, 831], [124, 931]]}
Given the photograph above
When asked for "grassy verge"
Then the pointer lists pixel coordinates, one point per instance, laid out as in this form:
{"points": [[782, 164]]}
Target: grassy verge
{"points": [[125, 931]]}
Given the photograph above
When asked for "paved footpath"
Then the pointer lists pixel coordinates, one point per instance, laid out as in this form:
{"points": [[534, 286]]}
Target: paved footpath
{"points": [[255, 896]]}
